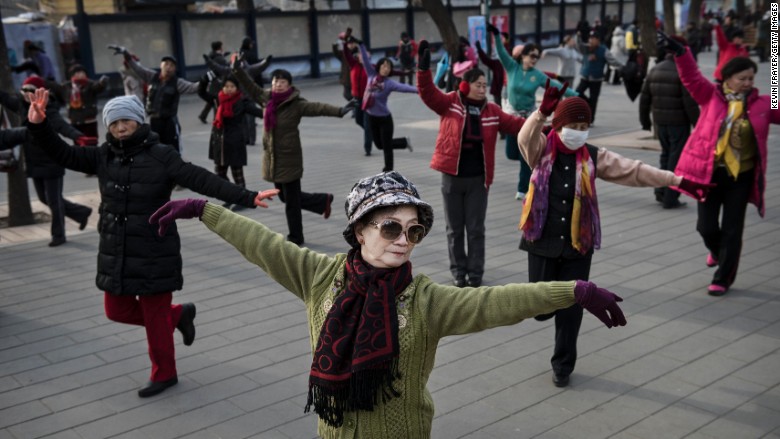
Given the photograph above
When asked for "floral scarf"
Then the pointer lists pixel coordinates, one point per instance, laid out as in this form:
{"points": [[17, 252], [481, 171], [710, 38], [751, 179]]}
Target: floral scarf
{"points": [[269, 119], [585, 222], [356, 359], [77, 86], [376, 84], [725, 151], [225, 108]]}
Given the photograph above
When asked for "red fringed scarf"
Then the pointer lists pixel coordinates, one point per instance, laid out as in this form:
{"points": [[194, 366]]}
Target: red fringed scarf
{"points": [[77, 86], [269, 119], [356, 359], [225, 108]]}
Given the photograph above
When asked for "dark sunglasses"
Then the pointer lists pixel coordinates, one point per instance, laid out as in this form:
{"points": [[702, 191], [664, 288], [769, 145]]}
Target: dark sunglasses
{"points": [[391, 230]]}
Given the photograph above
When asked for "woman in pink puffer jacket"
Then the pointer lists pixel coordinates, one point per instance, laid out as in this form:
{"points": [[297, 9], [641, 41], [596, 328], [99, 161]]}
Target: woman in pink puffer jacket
{"points": [[728, 147]]}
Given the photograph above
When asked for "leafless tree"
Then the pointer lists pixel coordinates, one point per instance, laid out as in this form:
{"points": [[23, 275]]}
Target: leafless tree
{"points": [[645, 13], [443, 20], [669, 25], [19, 208], [694, 12]]}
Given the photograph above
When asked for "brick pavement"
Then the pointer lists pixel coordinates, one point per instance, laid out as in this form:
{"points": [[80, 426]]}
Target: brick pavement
{"points": [[687, 365]]}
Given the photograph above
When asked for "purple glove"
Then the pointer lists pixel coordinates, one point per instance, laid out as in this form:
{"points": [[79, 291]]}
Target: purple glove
{"points": [[176, 209], [600, 302], [698, 190]]}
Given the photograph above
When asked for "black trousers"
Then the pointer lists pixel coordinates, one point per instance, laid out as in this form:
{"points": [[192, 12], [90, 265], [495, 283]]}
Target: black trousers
{"points": [[673, 138], [724, 238], [49, 192], [465, 207], [382, 132], [294, 200], [207, 107], [168, 130], [361, 118], [594, 90], [567, 320]]}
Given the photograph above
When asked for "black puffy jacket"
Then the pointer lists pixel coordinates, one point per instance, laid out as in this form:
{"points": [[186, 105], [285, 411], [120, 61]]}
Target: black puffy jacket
{"points": [[664, 94], [136, 177]]}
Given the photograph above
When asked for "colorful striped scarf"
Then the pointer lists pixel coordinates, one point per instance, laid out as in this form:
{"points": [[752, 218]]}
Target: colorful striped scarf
{"points": [[585, 223]]}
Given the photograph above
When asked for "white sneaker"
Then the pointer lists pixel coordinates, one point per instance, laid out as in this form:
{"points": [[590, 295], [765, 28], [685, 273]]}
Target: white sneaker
{"points": [[519, 196]]}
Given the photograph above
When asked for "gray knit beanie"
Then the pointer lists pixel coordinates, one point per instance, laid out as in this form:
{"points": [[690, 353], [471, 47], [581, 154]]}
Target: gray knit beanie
{"points": [[123, 107]]}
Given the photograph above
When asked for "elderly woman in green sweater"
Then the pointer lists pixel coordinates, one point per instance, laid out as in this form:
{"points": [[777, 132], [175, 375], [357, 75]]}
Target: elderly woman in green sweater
{"points": [[373, 325]]}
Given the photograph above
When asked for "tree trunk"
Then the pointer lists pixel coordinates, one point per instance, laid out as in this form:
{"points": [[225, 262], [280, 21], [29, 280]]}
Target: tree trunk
{"points": [[645, 12], [741, 10], [669, 26], [694, 12], [447, 30], [19, 208], [245, 5]]}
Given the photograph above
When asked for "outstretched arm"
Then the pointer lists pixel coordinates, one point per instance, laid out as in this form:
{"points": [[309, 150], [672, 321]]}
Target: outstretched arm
{"points": [[258, 94], [146, 74]]}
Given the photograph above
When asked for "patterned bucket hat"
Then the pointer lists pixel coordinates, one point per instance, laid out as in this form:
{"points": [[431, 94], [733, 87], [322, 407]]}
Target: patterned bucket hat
{"points": [[381, 190]]}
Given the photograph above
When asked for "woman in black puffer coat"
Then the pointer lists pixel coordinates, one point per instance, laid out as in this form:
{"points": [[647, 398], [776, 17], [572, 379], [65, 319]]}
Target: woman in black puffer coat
{"points": [[137, 269], [227, 147]]}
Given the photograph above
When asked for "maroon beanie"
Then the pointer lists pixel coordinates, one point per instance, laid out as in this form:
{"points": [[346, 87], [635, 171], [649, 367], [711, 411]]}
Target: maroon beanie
{"points": [[35, 81], [571, 110]]}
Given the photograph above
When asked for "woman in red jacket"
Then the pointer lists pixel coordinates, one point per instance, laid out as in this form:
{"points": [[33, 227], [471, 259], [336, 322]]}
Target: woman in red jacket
{"points": [[465, 155]]}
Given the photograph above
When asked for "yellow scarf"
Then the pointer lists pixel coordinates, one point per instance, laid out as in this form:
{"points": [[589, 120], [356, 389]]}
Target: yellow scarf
{"points": [[724, 151]]}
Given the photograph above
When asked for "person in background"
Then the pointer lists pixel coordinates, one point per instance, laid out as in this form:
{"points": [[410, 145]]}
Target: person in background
{"points": [[162, 100], [407, 56], [81, 95], [568, 57], [37, 62], [465, 154], [378, 89], [498, 76], [46, 174], [523, 80], [369, 380], [217, 56], [619, 52], [728, 148], [595, 57], [560, 220], [674, 113], [227, 146], [132, 83], [137, 270], [338, 53], [282, 152], [729, 47]]}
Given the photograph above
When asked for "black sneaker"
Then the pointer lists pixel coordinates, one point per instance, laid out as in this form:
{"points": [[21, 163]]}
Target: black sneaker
{"points": [[459, 282], [186, 323], [155, 387], [474, 282]]}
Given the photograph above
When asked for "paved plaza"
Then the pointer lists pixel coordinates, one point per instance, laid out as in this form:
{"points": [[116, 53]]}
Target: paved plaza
{"points": [[686, 365]]}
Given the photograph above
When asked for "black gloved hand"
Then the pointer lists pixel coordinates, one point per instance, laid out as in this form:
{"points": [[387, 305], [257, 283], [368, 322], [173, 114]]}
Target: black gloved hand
{"points": [[349, 106], [206, 58], [493, 30], [664, 42], [238, 59], [479, 45], [424, 61], [269, 58], [119, 50]]}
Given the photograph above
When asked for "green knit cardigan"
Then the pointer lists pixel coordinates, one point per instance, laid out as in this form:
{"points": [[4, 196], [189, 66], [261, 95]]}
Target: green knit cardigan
{"points": [[427, 311]]}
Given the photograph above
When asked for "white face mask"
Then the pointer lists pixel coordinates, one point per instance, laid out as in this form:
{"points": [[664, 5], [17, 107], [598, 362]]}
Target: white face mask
{"points": [[573, 139]]}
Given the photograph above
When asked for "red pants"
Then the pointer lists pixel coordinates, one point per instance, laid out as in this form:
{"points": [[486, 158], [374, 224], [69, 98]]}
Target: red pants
{"points": [[156, 314]]}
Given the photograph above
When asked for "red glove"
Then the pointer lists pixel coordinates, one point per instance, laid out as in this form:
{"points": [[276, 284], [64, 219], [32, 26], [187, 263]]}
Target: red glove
{"points": [[697, 190], [176, 209], [552, 95], [265, 195], [600, 302], [86, 141]]}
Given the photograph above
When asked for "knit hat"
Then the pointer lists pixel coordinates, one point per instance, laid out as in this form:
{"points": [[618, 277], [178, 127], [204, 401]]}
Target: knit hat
{"points": [[169, 58], [35, 81], [123, 107], [571, 110], [381, 190]]}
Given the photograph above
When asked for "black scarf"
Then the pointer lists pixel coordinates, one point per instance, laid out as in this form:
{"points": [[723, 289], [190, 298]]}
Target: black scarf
{"points": [[134, 143], [357, 350], [472, 130]]}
